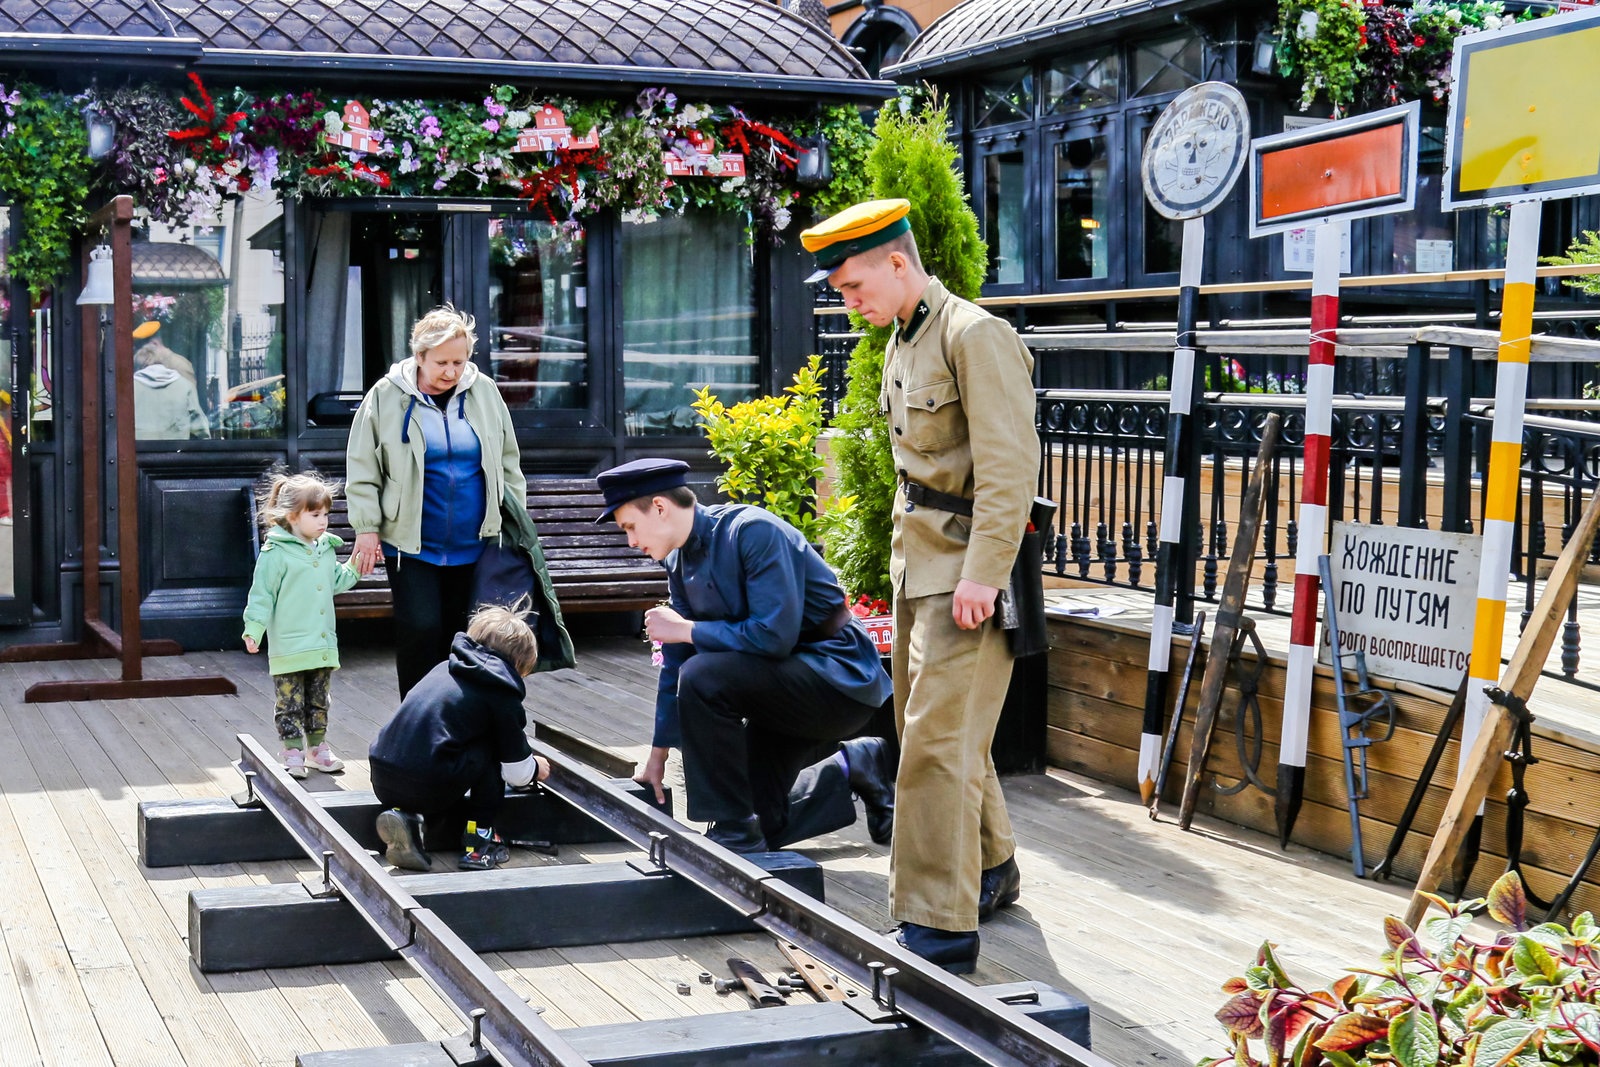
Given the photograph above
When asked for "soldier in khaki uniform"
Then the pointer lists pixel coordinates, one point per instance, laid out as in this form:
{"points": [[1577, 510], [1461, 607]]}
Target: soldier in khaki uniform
{"points": [[958, 391]]}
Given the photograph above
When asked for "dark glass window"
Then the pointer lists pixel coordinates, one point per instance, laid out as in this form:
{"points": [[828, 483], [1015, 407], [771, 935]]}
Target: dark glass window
{"points": [[208, 326], [1004, 223], [689, 319], [1168, 65], [1083, 217], [1004, 96], [1424, 238], [1163, 237], [538, 299], [1073, 85], [372, 276]]}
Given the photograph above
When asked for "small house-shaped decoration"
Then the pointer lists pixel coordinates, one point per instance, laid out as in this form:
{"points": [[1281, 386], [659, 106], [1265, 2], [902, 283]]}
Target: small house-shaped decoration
{"points": [[550, 132], [704, 150], [357, 134]]}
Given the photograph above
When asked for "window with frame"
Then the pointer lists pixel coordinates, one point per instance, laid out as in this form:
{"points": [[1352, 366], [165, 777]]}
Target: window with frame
{"points": [[1167, 65], [1004, 220], [1003, 96], [1083, 216], [1424, 237], [370, 276], [538, 311], [689, 319], [208, 326], [1081, 83]]}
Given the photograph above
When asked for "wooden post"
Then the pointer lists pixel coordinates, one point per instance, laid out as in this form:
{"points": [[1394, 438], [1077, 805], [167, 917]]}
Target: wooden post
{"points": [[1230, 611], [99, 640]]}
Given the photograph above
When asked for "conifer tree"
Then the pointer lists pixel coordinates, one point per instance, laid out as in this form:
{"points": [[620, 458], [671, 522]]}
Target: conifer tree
{"points": [[914, 159]]}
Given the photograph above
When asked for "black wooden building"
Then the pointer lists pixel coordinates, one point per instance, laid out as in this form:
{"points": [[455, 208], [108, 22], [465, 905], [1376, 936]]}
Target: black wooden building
{"points": [[282, 313]]}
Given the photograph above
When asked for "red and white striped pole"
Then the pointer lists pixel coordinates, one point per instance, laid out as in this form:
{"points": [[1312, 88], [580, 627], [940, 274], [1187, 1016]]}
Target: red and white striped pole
{"points": [[1313, 529]]}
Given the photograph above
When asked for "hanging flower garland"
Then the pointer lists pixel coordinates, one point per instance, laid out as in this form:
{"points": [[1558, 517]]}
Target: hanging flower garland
{"points": [[1360, 56], [182, 156]]}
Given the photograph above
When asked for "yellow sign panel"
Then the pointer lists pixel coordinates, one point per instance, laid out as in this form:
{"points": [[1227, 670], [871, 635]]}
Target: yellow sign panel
{"points": [[1523, 120]]}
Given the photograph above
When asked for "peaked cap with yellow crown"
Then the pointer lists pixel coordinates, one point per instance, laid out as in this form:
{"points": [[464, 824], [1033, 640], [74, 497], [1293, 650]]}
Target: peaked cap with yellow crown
{"points": [[854, 230]]}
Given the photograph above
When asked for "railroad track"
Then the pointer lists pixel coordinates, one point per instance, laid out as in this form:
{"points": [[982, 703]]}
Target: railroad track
{"points": [[910, 999]]}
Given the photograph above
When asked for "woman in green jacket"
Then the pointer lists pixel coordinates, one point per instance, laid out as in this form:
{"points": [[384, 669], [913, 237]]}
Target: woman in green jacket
{"points": [[432, 451]]}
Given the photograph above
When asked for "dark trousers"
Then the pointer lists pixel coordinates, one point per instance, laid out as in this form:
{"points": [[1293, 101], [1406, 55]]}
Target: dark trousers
{"points": [[431, 604], [758, 736], [473, 790]]}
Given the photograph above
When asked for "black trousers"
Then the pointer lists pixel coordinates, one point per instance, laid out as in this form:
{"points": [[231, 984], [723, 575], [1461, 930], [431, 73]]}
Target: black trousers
{"points": [[431, 605], [758, 736], [473, 790]]}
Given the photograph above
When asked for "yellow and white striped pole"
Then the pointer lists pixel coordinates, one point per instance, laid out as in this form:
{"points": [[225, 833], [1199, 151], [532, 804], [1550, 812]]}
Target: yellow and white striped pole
{"points": [[1505, 466]]}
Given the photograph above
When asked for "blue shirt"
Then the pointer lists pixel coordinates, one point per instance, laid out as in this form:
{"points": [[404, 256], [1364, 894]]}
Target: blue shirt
{"points": [[452, 482], [750, 583]]}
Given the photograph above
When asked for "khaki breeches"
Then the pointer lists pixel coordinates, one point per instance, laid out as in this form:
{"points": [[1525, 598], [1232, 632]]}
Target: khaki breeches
{"points": [[950, 820]]}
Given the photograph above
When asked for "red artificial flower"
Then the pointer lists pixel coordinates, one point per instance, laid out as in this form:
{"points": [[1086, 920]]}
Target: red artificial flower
{"points": [[1419, 40], [212, 129]]}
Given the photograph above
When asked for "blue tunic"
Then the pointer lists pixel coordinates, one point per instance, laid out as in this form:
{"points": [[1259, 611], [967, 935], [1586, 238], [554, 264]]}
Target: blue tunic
{"points": [[750, 583], [452, 482]]}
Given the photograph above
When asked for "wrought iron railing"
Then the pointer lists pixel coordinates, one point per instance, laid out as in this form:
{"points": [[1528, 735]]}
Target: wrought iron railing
{"points": [[1103, 459]]}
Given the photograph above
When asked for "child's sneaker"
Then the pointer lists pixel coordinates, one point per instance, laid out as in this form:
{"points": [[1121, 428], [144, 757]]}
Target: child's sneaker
{"points": [[401, 833], [323, 759], [483, 849], [294, 761]]}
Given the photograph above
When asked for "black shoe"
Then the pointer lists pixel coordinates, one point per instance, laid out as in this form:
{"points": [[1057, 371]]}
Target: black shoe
{"points": [[1002, 885], [956, 952], [401, 833], [738, 835], [872, 772], [482, 849]]}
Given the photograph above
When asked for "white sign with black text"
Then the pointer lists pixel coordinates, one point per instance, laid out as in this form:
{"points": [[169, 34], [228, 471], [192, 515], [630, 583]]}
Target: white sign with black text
{"points": [[1407, 598]]}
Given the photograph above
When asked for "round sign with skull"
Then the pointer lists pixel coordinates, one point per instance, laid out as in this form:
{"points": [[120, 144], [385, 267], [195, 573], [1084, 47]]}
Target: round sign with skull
{"points": [[1196, 150]]}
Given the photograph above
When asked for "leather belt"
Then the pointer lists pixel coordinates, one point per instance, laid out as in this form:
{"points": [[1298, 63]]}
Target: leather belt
{"points": [[918, 494], [827, 627]]}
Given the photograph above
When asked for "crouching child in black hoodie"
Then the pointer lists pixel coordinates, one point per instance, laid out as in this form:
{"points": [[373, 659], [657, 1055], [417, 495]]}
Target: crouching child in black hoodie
{"points": [[458, 739]]}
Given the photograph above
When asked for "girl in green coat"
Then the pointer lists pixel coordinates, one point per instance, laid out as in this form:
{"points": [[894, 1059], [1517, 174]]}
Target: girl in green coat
{"points": [[291, 602]]}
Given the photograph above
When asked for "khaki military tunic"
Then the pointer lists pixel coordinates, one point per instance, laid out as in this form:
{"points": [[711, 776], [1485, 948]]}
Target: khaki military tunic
{"points": [[958, 390]]}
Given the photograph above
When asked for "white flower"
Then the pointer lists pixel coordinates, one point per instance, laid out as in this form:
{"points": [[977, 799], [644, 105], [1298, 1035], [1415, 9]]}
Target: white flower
{"points": [[691, 115], [517, 120], [333, 122], [781, 218], [190, 166], [713, 165], [733, 183]]}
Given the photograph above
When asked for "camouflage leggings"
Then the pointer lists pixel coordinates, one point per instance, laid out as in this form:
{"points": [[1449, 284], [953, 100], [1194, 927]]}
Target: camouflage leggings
{"points": [[301, 712]]}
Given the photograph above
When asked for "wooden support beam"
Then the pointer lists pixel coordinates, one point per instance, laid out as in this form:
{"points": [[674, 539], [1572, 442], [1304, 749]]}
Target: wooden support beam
{"points": [[1472, 785], [503, 910], [175, 833], [797, 1034]]}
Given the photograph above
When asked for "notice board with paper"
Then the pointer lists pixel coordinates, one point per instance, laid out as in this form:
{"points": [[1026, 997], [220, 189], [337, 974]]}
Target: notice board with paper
{"points": [[1405, 597]]}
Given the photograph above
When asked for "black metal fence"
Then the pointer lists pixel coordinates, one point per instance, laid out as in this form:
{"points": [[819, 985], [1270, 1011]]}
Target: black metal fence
{"points": [[1399, 455]]}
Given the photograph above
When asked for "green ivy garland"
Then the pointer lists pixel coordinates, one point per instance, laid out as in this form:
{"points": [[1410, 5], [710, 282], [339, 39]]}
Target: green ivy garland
{"points": [[44, 170]]}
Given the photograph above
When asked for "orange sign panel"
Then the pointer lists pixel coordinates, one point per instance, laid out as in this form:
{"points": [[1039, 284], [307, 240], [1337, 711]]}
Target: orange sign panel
{"points": [[1325, 175], [1347, 169]]}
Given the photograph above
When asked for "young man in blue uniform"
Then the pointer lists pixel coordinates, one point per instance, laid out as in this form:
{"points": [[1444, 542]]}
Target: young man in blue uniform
{"points": [[766, 670]]}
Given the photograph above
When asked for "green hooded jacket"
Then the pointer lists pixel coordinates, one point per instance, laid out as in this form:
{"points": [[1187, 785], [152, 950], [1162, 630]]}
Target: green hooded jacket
{"points": [[384, 472], [291, 600], [518, 531]]}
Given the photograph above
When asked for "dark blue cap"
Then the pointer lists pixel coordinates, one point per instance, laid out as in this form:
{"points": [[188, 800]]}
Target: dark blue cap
{"points": [[637, 478]]}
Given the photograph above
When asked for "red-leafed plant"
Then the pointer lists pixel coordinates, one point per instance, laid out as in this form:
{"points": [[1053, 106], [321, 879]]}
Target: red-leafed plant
{"points": [[1527, 998]]}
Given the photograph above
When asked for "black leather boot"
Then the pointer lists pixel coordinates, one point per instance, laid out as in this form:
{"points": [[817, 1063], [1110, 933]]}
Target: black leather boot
{"points": [[738, 835], [872, 773], [1001, 885], [955, 951]]}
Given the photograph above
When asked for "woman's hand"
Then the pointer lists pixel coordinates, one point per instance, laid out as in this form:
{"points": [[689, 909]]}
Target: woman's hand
{"points": [[667, 626], [365, 557]]}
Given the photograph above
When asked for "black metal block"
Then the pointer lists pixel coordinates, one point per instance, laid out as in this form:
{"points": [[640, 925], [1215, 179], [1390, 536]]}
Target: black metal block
{"points": [[174, 833], [504, 910], [792, 1036]]}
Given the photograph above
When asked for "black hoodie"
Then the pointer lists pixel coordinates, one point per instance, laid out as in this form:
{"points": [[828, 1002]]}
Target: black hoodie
{"points": [[473, 700]]}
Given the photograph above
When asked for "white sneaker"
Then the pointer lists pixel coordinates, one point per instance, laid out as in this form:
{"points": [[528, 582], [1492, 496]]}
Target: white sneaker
{"points": [[323, 759], [294, 761]]}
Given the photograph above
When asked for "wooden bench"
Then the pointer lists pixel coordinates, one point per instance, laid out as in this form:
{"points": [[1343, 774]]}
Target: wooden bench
{"points": [[591, 566]]}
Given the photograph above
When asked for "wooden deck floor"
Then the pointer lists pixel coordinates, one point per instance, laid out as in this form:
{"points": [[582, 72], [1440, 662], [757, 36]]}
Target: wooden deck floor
{"points": [[1141, 921]]}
